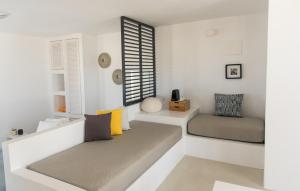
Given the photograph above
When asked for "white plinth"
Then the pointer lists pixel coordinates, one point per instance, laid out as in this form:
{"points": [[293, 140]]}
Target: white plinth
{"points": [[168, 117]]}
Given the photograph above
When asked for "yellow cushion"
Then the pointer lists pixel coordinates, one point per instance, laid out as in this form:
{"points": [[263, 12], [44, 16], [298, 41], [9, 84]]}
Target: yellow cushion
{"points": [[116, 120]]}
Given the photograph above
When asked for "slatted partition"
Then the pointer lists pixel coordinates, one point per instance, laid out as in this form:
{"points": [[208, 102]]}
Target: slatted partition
{"points": [[138, 61]]}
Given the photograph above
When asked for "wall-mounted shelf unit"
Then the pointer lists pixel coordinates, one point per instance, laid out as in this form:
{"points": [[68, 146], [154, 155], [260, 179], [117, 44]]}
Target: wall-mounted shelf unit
{"points": [[68, 63]]}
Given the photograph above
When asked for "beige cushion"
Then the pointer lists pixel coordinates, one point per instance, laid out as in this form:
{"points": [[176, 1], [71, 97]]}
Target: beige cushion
{"points": [[111, 165], [244, 129]]}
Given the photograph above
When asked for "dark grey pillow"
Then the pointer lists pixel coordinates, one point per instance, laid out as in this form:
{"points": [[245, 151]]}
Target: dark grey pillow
{"points": [[229, 105], [97, 127]]}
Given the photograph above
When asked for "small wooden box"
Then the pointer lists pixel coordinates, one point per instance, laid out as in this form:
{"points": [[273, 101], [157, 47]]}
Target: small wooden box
{"points": [[179, 105]]}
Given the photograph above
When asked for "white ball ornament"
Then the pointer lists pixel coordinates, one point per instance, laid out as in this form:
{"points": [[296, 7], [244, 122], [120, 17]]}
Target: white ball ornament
{"points": [[151, 105]]}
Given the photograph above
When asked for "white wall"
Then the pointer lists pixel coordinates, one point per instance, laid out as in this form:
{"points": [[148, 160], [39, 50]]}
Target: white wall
{"points": [[189, 60], [282, 154], [111, 95], [91, 74], [24, 97], [164, 60]]}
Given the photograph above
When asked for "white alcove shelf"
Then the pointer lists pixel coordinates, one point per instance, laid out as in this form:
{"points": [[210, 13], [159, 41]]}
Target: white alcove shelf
{"points": [[71, 56], [59, 104], [58, 81]]}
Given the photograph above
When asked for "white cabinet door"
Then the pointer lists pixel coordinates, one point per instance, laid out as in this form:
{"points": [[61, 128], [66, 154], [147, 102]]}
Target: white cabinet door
{"points": [[57, 55], [74, 90]]}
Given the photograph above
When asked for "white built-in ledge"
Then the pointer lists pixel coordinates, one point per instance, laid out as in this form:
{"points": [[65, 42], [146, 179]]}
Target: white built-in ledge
{"points": [[233, 152], [168, 117]]}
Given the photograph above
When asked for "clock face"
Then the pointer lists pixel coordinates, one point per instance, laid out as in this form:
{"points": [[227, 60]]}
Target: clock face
{"points": [[117, 76], [104, 60]]}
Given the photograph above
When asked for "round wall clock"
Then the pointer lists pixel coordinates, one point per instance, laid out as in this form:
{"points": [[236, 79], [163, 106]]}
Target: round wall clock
{"points": [[104, 60], [117, 76]]}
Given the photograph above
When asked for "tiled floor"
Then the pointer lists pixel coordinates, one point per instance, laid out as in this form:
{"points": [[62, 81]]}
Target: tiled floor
{"points": [[198, 174], [195, 174]]}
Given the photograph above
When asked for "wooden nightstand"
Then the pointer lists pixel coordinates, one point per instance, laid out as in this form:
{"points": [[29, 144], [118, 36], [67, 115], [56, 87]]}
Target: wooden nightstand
{"points": [[183, 105]]}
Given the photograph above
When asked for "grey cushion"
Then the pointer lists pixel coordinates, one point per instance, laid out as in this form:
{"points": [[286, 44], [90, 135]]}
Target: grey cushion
{"points": [[228, 105], [239, 129], [97, 127], [111, 165]]}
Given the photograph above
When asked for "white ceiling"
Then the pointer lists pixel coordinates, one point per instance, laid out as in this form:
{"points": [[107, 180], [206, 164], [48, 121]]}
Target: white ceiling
{"points": [[53, 17]]}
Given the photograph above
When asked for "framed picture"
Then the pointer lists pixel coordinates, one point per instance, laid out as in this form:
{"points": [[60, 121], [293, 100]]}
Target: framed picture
{"points": [[233, 71]]}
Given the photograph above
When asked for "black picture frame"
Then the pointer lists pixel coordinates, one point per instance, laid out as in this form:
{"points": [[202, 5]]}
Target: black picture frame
{"points": [[233, 71]]}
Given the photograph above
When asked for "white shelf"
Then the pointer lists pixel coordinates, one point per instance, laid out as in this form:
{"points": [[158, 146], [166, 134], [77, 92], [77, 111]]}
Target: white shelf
{"points": [[10, 137], [59, 93], [61, 114], [168, 117], [68, 115], [61, 71]]}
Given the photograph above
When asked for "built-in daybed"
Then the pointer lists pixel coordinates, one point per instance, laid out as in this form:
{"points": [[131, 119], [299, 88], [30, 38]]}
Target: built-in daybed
{"points": [[58, 159], [227, 139], [114, 164], [224, 150], [244, 129]]}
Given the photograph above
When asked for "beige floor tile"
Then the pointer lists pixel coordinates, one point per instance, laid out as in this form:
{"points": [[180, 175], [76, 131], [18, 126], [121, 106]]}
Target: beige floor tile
{"points": [[195, 174]]}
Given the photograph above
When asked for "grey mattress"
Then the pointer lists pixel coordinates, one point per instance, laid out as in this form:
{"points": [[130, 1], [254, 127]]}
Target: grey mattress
{"points": [[238, 129], [114, 164]]}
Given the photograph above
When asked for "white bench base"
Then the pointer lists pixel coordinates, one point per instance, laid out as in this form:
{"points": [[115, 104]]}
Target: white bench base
{"points": [[28, 149], [21, 152], [233, 152], [157, 173]]}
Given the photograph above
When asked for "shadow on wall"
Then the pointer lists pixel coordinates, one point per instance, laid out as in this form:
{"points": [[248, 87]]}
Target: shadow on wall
{"points": [[2, 180]]}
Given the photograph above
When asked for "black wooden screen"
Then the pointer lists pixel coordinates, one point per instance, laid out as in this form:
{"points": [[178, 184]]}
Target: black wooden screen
{"points": [[138, 61]]}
